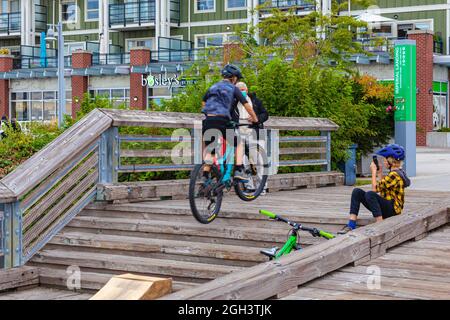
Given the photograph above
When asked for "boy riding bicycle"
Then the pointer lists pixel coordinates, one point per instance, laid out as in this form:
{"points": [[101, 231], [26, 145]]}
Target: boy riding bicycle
{"points": [[391, 199], [217, 106]]}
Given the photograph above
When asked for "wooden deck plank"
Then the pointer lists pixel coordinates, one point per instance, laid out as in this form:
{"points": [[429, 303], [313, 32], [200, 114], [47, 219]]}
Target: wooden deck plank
{"points": [[18, 277]]}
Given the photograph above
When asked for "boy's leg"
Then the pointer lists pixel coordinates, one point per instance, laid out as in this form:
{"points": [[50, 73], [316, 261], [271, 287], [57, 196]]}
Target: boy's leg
{"points": [[380, 207], [358, 197]]}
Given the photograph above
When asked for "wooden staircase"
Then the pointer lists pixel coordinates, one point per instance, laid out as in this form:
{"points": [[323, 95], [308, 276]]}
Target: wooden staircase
{"points": [[161, 238]]}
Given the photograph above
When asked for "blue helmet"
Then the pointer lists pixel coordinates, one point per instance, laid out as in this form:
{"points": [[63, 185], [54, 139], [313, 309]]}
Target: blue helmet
{"points": [[230, 70], [392, 150]]}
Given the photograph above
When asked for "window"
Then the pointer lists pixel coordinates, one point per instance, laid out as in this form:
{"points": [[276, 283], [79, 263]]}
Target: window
{"points": [[235, 4], [37, 105], [133, 43], [213, 40], [69, 11], [91, 11], [71, 47], [119, 96], [202, 6]]}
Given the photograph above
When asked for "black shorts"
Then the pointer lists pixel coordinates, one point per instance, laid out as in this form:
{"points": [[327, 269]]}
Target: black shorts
{"points": [[216, 126]]}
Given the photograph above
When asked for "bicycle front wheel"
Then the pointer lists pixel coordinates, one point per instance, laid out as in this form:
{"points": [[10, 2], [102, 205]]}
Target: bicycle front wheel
{"points": [[255, 167], [204, 199]]}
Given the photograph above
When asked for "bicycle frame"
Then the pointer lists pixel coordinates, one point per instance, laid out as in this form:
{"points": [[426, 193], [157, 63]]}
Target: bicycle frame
{"points": [[290, 245]]}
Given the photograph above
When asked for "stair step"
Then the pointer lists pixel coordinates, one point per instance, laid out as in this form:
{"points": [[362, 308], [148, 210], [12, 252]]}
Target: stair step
{"points": [[91, 281], [165, 247], [197, 229], [154, 267]]}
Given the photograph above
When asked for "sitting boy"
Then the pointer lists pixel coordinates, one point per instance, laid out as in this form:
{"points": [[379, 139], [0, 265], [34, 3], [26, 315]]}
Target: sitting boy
{"points": [[391, 199]]}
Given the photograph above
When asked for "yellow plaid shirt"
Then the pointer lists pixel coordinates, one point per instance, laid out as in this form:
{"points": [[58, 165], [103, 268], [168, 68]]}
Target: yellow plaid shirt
{"points": [[391, 187]]}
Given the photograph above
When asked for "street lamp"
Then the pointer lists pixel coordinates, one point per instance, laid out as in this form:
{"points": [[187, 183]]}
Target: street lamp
{"points": [[61, 84], [60, 65]]}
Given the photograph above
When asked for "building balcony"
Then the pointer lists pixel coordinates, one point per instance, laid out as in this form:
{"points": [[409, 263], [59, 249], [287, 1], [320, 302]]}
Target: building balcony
{"points": [[132, 15], [299, 6], [10, 23]]}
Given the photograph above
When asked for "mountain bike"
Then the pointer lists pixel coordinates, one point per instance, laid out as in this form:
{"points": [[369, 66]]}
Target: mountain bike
{"points": [[205, 197], [292, 242]]}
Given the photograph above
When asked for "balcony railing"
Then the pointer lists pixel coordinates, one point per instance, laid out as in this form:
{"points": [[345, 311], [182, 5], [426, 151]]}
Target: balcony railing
{"points": [[132, 13], [306, 5], [10, 23]]}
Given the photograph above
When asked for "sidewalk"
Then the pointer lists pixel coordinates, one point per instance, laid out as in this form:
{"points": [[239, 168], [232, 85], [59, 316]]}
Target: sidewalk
{"points": [[433, 170]]}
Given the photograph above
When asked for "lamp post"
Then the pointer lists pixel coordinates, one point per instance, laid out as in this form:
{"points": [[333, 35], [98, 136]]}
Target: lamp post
{"points": [[60, 66], [61, 84]]}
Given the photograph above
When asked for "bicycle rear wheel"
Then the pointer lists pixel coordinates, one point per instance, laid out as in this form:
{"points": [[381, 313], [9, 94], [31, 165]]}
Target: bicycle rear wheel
{"points": [[255, 167], [204, 200]]}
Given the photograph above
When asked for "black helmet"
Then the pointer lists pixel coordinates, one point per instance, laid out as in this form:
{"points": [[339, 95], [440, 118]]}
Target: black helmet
{"points": [[230, 70]]}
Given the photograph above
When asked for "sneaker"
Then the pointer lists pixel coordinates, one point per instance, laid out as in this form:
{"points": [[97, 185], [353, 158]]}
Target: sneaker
{"points": [[240, 174], [345, 230]]}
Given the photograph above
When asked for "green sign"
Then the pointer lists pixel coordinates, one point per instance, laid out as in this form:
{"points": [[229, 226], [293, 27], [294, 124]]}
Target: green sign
{"points": [[405, 80]]}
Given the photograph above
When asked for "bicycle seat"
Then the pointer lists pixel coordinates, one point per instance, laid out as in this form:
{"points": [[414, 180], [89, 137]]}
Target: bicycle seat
{"points": [[271, 253]]}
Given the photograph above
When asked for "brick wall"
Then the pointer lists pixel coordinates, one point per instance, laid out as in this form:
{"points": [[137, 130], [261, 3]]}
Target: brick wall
{"points": [[424, 42], [80, 84], [139, 56], [6, 64]]}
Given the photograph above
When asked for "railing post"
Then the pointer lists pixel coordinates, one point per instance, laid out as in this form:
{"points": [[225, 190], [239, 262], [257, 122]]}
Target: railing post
{"points": [[12, 235], [109, 156], [196, 145], [328, 147], [272, 141]]}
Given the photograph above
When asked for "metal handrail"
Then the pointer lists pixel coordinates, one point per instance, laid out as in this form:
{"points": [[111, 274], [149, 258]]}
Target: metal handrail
{"points": [[280, 4]]}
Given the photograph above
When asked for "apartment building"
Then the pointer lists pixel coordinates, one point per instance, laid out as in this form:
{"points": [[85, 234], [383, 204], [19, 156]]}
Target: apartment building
{"points": [[110, 46]]}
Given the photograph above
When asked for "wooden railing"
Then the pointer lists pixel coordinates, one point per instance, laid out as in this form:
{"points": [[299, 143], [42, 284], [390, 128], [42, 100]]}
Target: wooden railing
{"points": [[44, 193]]}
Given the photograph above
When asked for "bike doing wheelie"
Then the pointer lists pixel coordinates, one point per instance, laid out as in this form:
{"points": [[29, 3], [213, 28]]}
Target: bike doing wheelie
{"points": [[205, 195], [292, 242]]}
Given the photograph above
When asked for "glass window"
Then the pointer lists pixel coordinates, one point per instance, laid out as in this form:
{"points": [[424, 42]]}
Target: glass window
{"points": [[36, 96], [71, 47], [49, 110], [235, 4], [91, 9], [133, 43], [19, 96], [21, 110], [423, 26], [49, 95], [205, 5], [213, 40], [36, 110], [69, 11]]}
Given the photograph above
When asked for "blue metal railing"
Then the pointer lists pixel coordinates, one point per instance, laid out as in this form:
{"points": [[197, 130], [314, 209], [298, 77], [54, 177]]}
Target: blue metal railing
{"points": [[283, 4], [132, 13], [10, 22]]}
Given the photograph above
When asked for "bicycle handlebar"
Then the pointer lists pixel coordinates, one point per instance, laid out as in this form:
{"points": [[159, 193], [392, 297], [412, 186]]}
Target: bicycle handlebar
{"points": [[314, 231], [271, 215]]}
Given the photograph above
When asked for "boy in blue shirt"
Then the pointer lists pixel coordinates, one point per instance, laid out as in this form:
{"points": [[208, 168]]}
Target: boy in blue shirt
{"points": [[217, 105]]}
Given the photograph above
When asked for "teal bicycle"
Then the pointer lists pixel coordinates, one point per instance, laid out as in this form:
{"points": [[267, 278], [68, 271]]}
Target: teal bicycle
{"points": [[293, 239]]}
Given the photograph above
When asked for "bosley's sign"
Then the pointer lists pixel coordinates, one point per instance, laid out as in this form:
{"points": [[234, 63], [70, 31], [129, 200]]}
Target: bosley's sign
{"points": [[165, 81]]}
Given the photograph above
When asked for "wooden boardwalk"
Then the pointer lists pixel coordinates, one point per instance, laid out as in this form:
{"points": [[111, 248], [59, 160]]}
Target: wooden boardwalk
{"points": [[161, 238], [413, 270]]}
